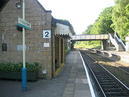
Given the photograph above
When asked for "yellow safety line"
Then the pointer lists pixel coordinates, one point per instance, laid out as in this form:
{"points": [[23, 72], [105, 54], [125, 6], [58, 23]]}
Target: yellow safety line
{"points": [[59, 69]]}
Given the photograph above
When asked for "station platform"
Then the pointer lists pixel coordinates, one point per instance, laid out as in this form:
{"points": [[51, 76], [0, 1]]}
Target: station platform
{"points": [[72, 82], [124, 56]]}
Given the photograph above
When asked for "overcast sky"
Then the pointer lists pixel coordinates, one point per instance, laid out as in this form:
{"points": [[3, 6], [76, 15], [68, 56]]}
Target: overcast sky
{"points": [[80, 13]]}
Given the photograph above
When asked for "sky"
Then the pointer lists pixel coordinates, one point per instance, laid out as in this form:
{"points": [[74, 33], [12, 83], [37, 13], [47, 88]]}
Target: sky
{"points": [[80, 13]]}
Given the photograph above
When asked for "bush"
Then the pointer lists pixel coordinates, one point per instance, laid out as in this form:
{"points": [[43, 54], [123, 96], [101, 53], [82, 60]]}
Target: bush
{"points": [[11, 67]]}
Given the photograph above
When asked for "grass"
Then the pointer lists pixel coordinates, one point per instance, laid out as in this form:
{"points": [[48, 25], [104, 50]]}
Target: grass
{"points": [[87, 44]]}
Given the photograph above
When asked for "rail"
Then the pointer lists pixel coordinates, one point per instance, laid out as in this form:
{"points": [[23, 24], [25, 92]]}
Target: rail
{"points": [[109, 85]]}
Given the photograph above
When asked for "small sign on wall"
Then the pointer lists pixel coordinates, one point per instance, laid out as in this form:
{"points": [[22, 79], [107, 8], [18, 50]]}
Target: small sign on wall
{"points": [[46, 33], [20, 47], [46, 45]]}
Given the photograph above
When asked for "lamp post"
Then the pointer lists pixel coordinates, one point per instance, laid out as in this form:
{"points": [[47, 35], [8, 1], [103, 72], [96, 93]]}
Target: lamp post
{"points": [[24, 69]]}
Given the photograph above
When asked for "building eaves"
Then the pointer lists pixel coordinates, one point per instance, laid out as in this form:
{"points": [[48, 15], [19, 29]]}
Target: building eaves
{"points": [[2, 3]]}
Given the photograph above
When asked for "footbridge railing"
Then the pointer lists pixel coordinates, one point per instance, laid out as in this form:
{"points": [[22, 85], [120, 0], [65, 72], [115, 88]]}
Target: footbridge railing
{"points": [[88, 37]]}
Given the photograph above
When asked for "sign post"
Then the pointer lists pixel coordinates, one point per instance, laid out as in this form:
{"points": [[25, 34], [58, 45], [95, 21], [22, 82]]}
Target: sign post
{"points": [[24, 70], [25, 25]]}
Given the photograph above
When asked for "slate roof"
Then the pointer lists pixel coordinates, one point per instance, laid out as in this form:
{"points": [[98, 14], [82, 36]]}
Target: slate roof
{"points": [[64, 22]]}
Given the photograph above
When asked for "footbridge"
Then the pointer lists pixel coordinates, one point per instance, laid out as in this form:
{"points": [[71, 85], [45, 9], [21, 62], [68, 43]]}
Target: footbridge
{"points": [[90, 37]]}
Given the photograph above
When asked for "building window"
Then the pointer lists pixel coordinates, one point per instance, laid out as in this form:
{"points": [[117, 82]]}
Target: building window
{"points": [[4, 46]]}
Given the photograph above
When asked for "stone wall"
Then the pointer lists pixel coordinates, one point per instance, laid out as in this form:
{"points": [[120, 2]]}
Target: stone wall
{"points": [[35, 50]]}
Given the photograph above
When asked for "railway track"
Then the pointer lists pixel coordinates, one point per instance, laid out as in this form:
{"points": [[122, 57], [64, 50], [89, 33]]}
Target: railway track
{"points": [[107, 84], [121, 71]]}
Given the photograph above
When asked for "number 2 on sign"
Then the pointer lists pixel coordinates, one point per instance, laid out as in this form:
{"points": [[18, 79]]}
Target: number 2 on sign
{"points": [[46, 33]]}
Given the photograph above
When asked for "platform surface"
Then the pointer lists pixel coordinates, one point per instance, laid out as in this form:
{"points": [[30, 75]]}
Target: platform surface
{"points": [[124, 56], [72, 82]]}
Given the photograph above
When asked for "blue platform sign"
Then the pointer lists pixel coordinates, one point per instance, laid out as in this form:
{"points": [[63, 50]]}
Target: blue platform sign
{"points": [[24, 24]]}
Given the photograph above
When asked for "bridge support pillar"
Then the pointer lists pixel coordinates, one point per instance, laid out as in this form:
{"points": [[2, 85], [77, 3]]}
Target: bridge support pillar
{"points": [[104, 45]]}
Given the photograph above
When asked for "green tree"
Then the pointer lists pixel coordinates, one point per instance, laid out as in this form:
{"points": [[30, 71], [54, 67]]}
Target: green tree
{"points": [[103, 23], [88, 30], [120, 17]]}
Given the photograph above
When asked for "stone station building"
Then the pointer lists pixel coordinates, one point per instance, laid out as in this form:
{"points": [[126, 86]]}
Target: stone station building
{"points": [[45, 43]]}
